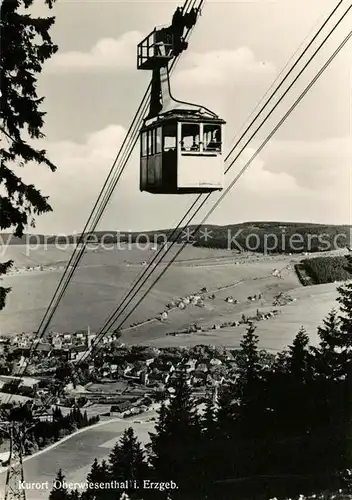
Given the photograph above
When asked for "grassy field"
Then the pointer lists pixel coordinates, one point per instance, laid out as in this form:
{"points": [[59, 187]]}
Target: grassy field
{"points": [[104, 278], [310, 306]]}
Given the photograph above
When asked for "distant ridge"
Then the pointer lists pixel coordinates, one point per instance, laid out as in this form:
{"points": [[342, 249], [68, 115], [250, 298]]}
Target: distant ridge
{"points": [[313, 236]]}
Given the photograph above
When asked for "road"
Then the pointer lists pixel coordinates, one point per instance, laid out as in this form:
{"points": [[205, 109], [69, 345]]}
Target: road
{"points": [[76, 454]]}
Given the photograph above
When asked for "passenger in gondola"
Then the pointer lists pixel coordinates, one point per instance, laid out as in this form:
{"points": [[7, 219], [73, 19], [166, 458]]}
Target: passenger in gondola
{"points": [[190, 18], [160, 40], [214, 143], [177, 18], [195, 146], [178, 26]]}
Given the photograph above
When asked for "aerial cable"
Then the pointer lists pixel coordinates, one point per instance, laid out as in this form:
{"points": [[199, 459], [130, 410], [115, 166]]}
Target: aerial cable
{"points": [[259, 113], [192, 206], [106, 198], [111, 188], [286, 65], [250, 160], [291, 69], [114, 314], [108, 322], [185, 6], [205, 200], [246, 166], [100, 205]]}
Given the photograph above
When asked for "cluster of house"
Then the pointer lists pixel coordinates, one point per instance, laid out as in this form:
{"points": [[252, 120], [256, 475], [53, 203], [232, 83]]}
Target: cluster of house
{"points": [[195, 328], [244, 320], [72, 345], [31, 385], [31, 269], [155, 372], [195, 299]]}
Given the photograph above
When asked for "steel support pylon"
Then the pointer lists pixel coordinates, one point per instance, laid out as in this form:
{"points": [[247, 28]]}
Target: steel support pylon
{"points": [[14, 489]]}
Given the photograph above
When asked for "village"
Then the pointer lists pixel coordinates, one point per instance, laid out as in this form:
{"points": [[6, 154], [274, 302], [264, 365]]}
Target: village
{"points": [[120, 379], [120, 374], [103, 377]]}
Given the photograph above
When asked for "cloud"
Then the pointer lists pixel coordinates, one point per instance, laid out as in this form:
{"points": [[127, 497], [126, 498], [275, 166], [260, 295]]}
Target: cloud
{"points": [[258, 179], [315, 165], [108, 54], [216, 79], [223, 67], [274, 187], [297, 181]]}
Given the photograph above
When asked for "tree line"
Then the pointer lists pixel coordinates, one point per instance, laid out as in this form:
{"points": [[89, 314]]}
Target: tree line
{"points": [[320, 270]]}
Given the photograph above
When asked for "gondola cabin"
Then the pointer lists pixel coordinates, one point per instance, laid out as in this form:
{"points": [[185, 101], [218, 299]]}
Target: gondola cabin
{"points": [[182, 153]]}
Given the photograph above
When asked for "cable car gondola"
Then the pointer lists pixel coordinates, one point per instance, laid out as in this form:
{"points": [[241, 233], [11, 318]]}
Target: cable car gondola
{"points": [[181, 143]]}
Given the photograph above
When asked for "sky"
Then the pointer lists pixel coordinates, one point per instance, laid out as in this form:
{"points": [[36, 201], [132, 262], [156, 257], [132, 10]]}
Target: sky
{"points": [[92, 90]]}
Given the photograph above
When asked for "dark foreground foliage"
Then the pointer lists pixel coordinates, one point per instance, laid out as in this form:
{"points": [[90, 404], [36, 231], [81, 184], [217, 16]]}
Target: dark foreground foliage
{"points": [[25, 46]]}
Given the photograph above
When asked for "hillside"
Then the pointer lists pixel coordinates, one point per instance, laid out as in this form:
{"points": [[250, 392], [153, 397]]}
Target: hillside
{"points": [[263, 237], [104, 277]]}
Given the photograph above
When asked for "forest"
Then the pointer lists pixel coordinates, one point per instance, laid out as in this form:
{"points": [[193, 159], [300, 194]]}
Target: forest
{"points": [[320, 270]]}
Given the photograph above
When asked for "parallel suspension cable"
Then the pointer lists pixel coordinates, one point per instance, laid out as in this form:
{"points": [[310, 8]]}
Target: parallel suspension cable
{"points": [[112, 319], [107, 196], [248, 163], [277, 78], [246, 166], [103, 200], [237, 143], [100, 205]]}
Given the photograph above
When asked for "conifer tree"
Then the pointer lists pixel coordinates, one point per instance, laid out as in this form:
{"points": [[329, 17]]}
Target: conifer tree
{"points": [[99, 473], [175, 445], [249, 385], [219, 435], [209, 420], [329, 355], [299, 356], [298, 411], [345, 301], [127, 461], [249, 366], [59, 492], [227, 407], [25, 46]]}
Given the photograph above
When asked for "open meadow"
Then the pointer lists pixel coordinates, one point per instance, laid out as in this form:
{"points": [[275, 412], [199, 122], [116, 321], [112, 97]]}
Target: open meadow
{"points": [[105, 276]]}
